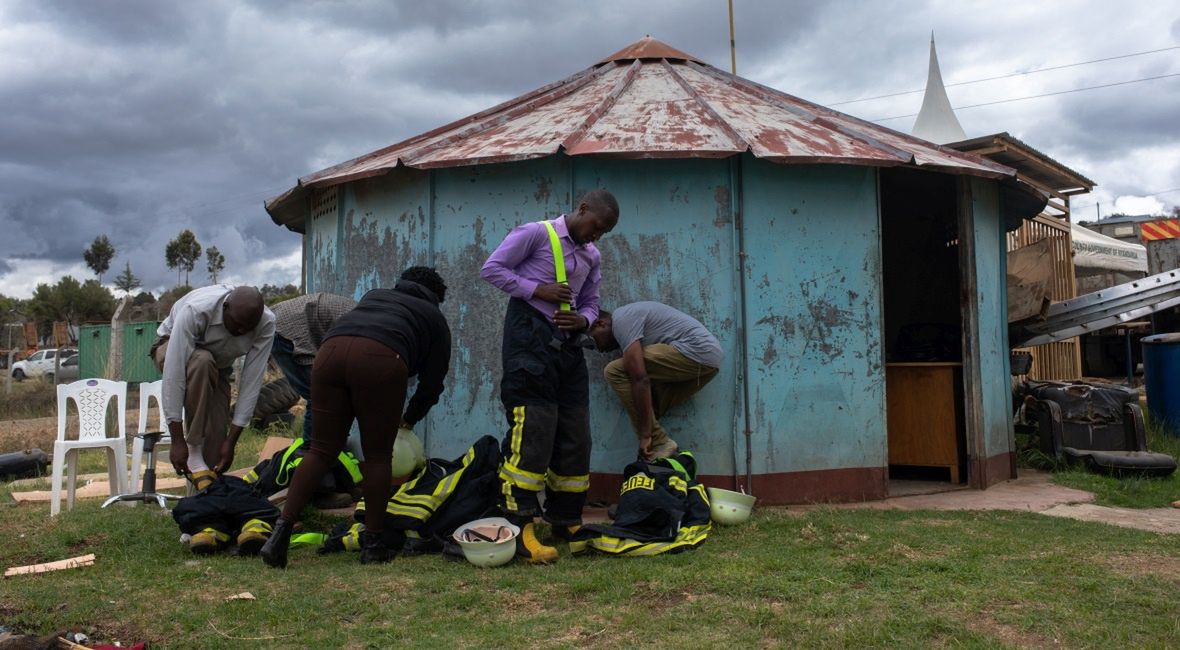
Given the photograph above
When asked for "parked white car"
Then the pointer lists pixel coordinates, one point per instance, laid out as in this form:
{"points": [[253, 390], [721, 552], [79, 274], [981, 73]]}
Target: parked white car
{"points": [[42, 362]]}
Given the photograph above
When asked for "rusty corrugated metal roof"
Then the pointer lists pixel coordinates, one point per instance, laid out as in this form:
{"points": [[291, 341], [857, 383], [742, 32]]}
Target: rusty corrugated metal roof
{"points": [[648, 100]]}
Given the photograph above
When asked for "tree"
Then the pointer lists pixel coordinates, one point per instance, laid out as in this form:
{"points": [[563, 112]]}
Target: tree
{"points": [[98, 257], [70, 301], [143, 298], [182, 254], [168, 298], [216, 262], [126, 281], [272, 293]]}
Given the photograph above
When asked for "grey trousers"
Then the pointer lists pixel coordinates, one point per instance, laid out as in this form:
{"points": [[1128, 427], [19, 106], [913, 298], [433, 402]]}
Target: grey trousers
{"points": [[206, 399]]}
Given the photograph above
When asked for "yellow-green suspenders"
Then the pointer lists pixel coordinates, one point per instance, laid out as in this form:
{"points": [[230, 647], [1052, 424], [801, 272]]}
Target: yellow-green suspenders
{"points": [[558, 259]]}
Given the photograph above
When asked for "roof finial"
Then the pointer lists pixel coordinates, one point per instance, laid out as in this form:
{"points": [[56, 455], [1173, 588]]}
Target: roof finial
{"points": [[936, 121]]}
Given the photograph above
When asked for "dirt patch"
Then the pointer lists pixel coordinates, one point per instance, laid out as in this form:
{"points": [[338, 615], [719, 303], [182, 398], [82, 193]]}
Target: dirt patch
{"points": [[983, 622], [661, 599], [1141, 564]]}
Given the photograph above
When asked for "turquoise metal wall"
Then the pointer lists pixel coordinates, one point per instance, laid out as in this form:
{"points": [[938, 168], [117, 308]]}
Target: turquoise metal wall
{"points": [[814, 309], [815, 300], [991, 298], [674, 243]]}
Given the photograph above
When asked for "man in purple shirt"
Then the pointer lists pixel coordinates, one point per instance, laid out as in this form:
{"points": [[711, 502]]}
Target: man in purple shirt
{"points": [[545, 387]]}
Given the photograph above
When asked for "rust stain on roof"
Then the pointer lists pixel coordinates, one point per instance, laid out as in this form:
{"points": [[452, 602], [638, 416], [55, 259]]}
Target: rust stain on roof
{"points": [[649, 100]]}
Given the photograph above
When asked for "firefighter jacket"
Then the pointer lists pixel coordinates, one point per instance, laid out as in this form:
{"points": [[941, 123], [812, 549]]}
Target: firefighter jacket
{"points": [[662, 509], [274, 473], [442, 496]]}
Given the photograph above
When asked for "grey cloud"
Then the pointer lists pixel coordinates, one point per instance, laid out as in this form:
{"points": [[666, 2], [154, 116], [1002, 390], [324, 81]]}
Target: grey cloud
{"points": [[125, 22], [192, 114]]}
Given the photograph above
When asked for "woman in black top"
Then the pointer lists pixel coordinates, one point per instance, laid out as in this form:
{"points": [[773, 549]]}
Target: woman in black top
{"points": [[361, 372]]}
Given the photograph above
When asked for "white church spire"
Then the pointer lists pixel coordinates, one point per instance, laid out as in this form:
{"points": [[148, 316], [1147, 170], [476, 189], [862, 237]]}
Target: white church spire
{"points": [[936, 121]]}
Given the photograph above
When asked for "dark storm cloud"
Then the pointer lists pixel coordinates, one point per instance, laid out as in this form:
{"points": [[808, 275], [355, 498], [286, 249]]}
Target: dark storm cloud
{"points": [[127, 22], [140, 118]]}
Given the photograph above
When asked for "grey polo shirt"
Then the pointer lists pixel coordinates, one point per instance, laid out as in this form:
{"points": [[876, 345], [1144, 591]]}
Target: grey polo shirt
{"points": [[652, 322]]}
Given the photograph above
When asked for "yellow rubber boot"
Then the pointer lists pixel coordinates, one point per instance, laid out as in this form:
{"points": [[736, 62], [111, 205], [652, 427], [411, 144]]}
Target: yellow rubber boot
{"points": [[530, 548], [253, 535], [208, 541]]}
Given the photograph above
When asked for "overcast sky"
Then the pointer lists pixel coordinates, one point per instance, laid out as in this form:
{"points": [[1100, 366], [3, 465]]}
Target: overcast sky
{"points": [[141, 118]]}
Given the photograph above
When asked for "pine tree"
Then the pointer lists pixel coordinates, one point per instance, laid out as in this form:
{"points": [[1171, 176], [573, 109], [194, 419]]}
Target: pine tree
{"points": [[126, 281]]}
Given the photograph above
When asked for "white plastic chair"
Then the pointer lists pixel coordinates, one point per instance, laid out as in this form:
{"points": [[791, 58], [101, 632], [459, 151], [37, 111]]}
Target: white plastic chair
{"points": [[92, 397], [147, 392]]}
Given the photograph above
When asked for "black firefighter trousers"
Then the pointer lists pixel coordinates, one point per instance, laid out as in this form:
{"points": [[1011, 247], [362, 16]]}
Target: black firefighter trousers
{"points": [[546, 394]]}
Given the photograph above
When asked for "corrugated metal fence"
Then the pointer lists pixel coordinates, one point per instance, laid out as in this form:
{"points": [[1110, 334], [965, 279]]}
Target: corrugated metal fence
{"points": [[94, 349]]}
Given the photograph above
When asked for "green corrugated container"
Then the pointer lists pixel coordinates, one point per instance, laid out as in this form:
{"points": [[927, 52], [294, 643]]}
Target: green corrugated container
{"points": [[137, 341], [94, 349]]}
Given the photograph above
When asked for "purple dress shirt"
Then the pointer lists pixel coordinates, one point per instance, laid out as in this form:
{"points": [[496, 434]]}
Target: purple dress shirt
{"points": [[524, 261]]}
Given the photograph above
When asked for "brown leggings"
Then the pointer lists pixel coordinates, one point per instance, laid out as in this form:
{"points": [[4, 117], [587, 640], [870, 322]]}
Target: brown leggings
{"points": [[353, 377]]}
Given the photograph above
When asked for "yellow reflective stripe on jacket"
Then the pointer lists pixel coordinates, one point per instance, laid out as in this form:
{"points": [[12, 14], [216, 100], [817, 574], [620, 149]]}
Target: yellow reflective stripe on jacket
{"points": [[413, 512], [558, 259], [559, 483], [678, 484], [687, 536], [522, 479], [422, 506]]}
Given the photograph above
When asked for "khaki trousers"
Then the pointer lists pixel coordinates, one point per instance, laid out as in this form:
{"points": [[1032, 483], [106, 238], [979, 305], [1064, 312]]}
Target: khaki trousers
{"points": [[206, 399], [674, 378]]}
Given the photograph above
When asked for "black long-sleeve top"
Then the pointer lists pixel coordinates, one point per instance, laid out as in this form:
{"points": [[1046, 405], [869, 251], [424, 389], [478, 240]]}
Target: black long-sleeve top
{"points": [[407, 320]]}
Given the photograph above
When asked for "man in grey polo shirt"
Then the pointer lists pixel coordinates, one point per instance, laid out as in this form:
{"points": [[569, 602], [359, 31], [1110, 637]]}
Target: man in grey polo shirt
{"points": [[667, 357]]}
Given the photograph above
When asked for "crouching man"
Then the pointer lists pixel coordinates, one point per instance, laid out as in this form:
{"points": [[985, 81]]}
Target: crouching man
{"points": [[667, 357], [196, 345]]}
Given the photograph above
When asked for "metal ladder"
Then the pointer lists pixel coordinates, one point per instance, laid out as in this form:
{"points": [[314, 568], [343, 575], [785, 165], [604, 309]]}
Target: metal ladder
{"points": [[1099, 310]]}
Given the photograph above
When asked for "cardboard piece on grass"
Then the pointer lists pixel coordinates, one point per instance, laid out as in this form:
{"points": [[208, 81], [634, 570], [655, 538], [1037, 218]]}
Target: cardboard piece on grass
{"points": [[273, 444], [45, 567], [91, 490]]}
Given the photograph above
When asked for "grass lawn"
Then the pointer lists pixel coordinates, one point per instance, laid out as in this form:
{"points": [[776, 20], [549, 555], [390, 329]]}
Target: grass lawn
{"points": [[825, 578], [829, 578]]}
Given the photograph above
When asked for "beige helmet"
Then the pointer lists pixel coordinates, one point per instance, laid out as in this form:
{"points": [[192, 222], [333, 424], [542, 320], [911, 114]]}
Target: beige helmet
{"points": [[727, 507], [408, 453]]}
